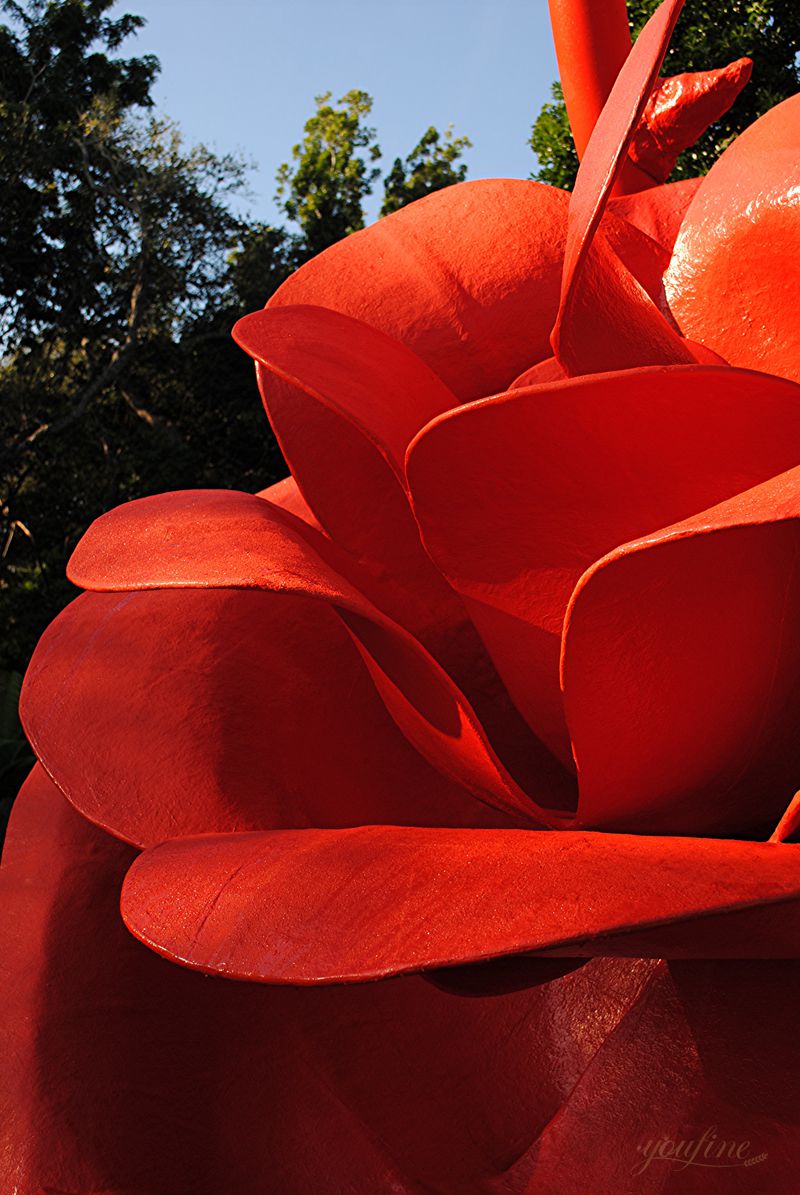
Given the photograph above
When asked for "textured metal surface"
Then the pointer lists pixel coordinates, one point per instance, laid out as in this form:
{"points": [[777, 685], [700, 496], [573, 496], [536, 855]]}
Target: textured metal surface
{"points": [[500, 690]]}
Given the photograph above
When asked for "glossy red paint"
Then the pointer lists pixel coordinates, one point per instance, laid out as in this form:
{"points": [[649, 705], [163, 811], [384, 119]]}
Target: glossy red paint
{"points": [[732, 282], [592, 43], [494, 701], [679, 110]]}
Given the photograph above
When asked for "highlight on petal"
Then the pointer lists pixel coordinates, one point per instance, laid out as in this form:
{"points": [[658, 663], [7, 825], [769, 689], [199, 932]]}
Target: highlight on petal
{"points": [[211, 539], [681, 671], [344, 401], [789, 823], [342, 906], [733, 280], [468, 278], [605, 319], [119, 1066], [518, 495], [679, 110]]}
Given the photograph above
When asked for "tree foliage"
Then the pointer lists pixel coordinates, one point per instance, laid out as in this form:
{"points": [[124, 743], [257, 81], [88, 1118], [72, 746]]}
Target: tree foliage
{"points": [[431, 165], [707, 35], [263, 257], [54, 74], [122, 270], [331, 173], [112, 263], [551, 141]]}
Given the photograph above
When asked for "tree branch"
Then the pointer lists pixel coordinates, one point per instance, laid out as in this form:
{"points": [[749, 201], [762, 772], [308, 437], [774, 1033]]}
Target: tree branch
{"points": [[119, 362]]}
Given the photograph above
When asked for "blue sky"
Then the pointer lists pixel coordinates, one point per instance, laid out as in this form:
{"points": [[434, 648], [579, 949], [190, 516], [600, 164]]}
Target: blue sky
{"points": [[241, 75]]}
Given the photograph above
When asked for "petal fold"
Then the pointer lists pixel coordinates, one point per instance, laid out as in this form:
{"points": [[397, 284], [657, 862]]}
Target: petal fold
{"points": [[681, 667], [205, 711], [344, 401], [518, 495], [226, 540]]}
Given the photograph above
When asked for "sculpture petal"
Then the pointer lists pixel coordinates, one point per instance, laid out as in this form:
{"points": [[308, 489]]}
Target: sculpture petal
{"points": [[125, 1074], [343, 906], [198, 711], [468, 278], [286, 494], [605, 319], [608, 144], [331, 362], [226, 540], [732, 283], [680, 669], [457, 646], [345, 400], [679, 111], [518, 495]]}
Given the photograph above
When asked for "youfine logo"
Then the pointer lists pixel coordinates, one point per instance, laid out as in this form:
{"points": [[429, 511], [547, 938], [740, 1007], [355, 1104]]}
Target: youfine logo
{"points": [[709, 1150]]}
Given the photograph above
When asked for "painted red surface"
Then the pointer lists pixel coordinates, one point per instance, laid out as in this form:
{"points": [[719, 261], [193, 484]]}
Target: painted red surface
{"points": [[494, 700]]}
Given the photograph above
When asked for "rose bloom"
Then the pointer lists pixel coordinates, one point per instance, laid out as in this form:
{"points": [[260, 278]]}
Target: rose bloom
{"points": [[494, 700]]}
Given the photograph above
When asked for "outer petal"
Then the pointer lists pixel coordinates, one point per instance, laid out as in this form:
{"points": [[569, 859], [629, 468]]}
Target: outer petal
{"points": [[345, 400], [733, 281], [605, 319], [187, 712], [319, 361], [468, 278], [333, 906], [127, 1075], [680, 669], [518, 495], [202, 539]]}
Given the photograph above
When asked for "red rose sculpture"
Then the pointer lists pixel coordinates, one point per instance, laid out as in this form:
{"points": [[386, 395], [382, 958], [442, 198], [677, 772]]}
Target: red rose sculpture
{"points": [[496, 699]]}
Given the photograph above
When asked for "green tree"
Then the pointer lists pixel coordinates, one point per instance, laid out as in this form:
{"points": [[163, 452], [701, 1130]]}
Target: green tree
{"points": [[263, 258], [55, 68], [551, 141], [707, 35], [430, 166], [324, 186], [122, 269], [112, 273]]}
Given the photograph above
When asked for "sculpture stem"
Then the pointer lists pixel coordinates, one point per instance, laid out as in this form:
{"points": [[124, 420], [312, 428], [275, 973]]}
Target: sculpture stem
{"points": [[592, 40]]}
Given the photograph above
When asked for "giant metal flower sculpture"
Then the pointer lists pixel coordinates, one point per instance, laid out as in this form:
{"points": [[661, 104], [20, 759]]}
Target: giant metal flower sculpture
{"points": [[496, 699]]}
